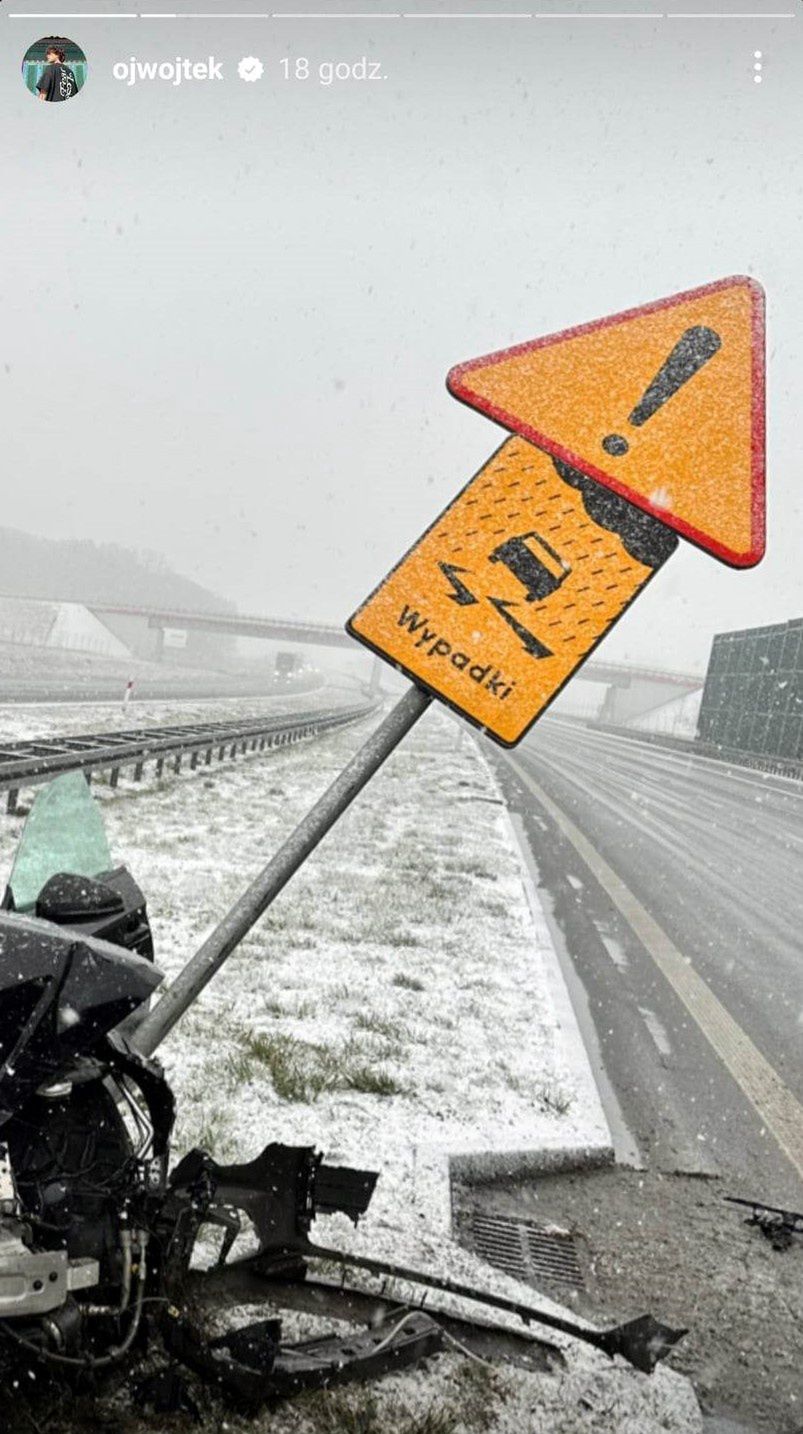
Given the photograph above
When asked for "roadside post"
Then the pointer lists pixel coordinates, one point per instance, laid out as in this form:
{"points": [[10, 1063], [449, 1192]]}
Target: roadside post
{"points": [[626, 432]]}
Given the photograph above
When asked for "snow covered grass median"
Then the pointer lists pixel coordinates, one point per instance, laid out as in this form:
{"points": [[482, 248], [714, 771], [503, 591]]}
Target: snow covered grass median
{"points": [[393, 1000]]}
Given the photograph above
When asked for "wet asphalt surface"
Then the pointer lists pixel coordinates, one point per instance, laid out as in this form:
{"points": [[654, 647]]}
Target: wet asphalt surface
{"points": [[715, 856]]}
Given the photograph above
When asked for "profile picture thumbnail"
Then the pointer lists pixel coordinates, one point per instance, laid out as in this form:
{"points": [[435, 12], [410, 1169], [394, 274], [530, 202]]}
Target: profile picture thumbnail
{"points": [[54, 69]]}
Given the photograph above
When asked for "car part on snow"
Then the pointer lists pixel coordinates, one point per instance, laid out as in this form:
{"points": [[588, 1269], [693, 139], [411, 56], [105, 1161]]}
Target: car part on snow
{"points": [[643, 1342], [98, 1235], [779, 1226], [165, 1392], [251, 1366], [244, 1282]]}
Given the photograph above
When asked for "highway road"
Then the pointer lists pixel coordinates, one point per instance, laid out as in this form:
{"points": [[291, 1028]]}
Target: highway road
{"points": [[675, 891], [96, 688]]}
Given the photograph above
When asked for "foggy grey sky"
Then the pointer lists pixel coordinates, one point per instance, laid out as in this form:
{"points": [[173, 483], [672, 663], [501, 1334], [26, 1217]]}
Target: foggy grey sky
{"points": [[228, 310]]}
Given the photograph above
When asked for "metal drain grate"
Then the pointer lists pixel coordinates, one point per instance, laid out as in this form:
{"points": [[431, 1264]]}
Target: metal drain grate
{"points": [[525, 1250]]}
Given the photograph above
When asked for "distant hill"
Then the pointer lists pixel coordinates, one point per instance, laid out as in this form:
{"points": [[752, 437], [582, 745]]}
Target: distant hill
{"points": [[79, 570]]}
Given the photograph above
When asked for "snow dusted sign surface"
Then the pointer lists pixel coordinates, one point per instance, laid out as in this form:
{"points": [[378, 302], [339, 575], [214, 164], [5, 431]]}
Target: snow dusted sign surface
{"points": [[662, 404], [510, 591], [632, 429]]}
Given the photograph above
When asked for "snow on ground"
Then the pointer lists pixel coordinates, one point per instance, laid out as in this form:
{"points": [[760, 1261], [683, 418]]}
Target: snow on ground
{"points": [[391, 1008], [450, 1395], [25, 721], [370, 994]]}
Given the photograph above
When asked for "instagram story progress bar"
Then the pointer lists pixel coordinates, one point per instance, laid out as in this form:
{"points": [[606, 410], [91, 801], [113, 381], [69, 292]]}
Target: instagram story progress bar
{"points": [[457, 12]]}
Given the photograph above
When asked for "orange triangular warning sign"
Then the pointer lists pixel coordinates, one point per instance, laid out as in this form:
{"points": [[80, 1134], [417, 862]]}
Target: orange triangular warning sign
{"points": [[664, 404]]}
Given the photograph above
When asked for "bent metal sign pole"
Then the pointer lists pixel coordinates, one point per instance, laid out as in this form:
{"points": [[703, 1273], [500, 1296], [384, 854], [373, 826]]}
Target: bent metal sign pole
{"points": [[625, 433]]}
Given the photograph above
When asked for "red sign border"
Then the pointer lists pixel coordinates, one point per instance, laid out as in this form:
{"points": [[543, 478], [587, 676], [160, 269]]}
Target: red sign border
{"points": [[458, 384]]}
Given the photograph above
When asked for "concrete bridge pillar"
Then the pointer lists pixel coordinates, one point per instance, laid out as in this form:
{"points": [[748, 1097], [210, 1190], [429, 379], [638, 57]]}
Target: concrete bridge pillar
{"points": [[637, 697]]}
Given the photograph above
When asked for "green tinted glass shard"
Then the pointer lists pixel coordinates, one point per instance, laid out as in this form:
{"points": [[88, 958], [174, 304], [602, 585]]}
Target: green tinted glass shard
{"points": [[64, 832]]}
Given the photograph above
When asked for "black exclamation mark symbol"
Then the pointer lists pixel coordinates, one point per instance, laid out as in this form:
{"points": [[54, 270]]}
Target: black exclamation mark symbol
{"points": [[693, 349]]}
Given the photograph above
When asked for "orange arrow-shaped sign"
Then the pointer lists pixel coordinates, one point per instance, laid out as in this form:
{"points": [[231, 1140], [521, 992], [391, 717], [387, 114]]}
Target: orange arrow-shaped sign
{"points": [[663, 404], [514, 585]]}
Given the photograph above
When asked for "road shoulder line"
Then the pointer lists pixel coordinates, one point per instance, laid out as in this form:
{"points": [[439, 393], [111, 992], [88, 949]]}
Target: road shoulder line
{"points": [[776, 1105], [545, 1158]]}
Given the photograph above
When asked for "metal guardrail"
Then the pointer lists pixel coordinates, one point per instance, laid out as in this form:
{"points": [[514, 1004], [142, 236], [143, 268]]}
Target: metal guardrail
{"points": [[733, 756], [29, 764], [756, 761]]}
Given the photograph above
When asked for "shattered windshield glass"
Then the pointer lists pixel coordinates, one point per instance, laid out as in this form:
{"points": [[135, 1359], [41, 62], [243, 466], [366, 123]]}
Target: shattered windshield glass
{"points": [[64, 832]]}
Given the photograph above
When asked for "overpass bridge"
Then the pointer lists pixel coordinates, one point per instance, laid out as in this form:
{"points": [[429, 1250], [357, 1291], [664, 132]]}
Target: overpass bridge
{"points": [[231, 624], [632, 691]]}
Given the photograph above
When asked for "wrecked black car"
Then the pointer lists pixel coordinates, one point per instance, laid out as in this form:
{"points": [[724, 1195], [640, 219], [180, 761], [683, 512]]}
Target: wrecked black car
{"points": [[99, 1231]]}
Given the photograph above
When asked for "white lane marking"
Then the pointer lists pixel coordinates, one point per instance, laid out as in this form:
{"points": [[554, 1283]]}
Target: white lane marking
{"points": [[578, 1021], [656, 1030], [729, 770], [776, 1105], [614, 950], [762, 904]]}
